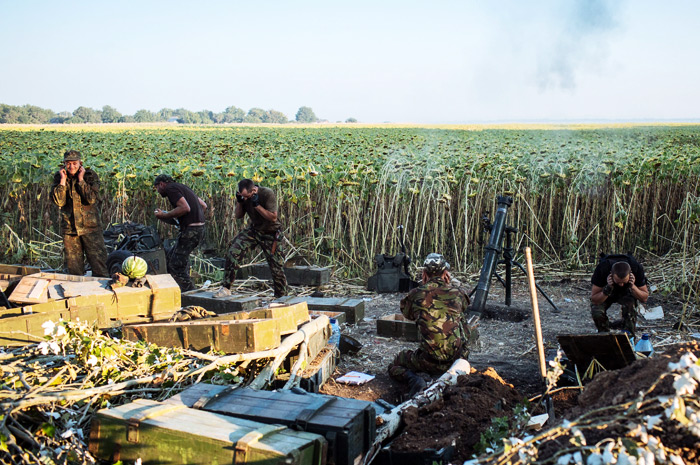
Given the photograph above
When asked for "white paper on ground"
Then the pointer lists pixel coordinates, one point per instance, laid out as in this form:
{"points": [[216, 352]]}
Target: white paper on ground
{"points": [[355, 377], [656, 313], [537, 421]]}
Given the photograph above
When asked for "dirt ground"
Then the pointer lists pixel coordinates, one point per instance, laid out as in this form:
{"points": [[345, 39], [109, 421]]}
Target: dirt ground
{"points": [[506, 346], [504, 365]]}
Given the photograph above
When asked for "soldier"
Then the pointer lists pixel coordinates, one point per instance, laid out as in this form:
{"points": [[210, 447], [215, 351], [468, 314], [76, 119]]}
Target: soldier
{"points": [[188, 215], [617, 279], [264, 230], [76, 192], [438, 307]]}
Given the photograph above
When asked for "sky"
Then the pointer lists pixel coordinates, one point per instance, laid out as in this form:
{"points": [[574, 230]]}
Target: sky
{"points": [[425, 62]]}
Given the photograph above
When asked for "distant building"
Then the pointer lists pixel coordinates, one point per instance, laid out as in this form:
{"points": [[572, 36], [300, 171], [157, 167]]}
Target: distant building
{"points": [[173, 119]]}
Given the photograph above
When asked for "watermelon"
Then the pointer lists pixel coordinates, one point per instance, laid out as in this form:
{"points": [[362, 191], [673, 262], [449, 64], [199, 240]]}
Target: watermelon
{"points": [[134, 267]]}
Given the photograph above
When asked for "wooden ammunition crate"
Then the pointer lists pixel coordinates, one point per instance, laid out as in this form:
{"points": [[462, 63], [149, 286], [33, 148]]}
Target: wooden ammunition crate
{"points": [[315, 374], [159, 433], [158, 299], [288, 316], [397, 326], [315, 344], [220, 305], [231, 336], [354, 309], [339, 316], [349, 425]]}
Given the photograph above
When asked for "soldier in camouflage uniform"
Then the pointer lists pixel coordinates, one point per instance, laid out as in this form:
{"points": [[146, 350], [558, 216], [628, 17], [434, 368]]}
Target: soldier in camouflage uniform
{"points": [[264, 230], [76, 192], [438, 307], [188, 214]]}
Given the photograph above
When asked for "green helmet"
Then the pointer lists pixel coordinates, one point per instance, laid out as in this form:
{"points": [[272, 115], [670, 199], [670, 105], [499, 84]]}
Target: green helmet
{"points": [[435, 263], [72, 155]]}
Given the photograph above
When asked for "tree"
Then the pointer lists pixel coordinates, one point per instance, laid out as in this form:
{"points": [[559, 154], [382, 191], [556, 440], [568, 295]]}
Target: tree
{"points": [[186, 116], [27, 114], [164, 114], [37, 115], [61, 117], [255, 115], [276, 117], [351, 120], [306, 115], [110, 115], [9, 114], [144, 116], [233, 115], [127, 119], [206, 117], [85, 115]]}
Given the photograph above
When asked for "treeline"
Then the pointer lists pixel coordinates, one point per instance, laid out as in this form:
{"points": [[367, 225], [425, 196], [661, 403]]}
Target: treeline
{"points": [[30, 114]]}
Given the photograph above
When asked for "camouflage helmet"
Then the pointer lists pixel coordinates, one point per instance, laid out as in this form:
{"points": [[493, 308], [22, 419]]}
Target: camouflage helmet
{"points": [[72, 155], [435, 263]]}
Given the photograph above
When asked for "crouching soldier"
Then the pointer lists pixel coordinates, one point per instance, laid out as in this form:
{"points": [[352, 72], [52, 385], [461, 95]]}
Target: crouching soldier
{"points": [[617, 279], [438, 307], [76, 191]]}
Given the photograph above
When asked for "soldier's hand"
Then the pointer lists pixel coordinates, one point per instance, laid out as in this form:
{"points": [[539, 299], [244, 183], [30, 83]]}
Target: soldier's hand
{"points": [[254, 199], [63, 174], [446, 276], [610, 280], [632, 279], [239, 197], [81, 173], [159, 213]]}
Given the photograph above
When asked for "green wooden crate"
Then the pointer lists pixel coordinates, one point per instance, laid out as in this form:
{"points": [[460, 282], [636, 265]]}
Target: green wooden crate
{"points": [[230, 336], [398, 326], [220, 305], [27, 329], [174, 434], [290, 316], [354, 309], [157, 300]]}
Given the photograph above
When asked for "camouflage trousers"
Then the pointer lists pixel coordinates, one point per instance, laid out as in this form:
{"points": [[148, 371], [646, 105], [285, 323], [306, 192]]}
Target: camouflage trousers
{"points": [[629, 313], [418, 361], [178, 257], [92, 246], [271, 246]]}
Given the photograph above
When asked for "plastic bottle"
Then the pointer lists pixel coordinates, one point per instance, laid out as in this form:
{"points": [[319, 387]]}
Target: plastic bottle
{"points": [[335, 333], [644, 346]]}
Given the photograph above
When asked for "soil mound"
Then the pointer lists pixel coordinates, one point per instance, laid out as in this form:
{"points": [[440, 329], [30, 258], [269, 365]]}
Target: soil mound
{"points": [[464, 412], [624, 385], [467, 410]]}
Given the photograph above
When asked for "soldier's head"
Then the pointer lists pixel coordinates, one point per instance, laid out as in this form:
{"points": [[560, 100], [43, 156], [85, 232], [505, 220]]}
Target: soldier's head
{"points": [[435, 265], [72, 161], [246, 187], [161, 182], [621, 273]]}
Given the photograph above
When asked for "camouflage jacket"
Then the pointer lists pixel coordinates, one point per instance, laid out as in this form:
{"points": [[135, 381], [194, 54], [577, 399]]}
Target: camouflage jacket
{"points": [[439, 312], [78, 203]]}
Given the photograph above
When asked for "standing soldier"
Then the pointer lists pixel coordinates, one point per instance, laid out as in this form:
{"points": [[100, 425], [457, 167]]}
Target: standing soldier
{"points": [[76, 191], [188, 214], [438, 308], [264, 230]]}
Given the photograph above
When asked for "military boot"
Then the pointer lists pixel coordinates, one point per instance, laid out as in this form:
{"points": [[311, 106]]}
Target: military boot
{"points": [[415, 383]]}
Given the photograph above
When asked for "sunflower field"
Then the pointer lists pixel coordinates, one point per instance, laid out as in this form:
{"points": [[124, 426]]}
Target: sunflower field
{"points": [[578, 190]]}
